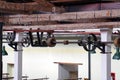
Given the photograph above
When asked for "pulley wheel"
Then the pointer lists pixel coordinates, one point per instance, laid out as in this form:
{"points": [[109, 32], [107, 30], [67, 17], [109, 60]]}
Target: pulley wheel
{"points": [[89, 44], [51, 42], [25, 42], [11, 36], [66, 42], [80, 42]]}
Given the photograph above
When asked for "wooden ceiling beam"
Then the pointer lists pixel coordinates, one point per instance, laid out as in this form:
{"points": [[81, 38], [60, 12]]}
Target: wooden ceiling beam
{"points": [[76, 2], [69, 1], [67, 26], [63, 1], [25, 7], [16, 19]]}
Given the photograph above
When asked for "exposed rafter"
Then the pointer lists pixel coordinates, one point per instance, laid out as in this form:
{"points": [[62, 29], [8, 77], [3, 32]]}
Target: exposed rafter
{"points": [[42, 5], [67, 26], [73, 16], [19, 1], [74, 2], [73, 19]]}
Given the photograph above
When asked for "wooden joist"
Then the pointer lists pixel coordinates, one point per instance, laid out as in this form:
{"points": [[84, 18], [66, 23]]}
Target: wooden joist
{"points": [[16, 19], [65, 1], [77, 2], [4, 6], [7, 7], [67, 26]]}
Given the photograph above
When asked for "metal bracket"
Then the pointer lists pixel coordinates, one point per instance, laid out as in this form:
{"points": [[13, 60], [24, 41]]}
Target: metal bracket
{"points": [[91, 43], [13, 45], [11, 36], [100, 46]]}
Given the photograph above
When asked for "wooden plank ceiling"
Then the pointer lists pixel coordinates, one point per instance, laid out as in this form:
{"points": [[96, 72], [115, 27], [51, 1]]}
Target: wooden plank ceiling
{"points": [[55, 21], [11, 6], [36, 6], [74, 2]]}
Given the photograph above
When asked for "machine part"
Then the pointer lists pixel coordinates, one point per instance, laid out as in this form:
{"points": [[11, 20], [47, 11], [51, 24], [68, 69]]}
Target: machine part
{"points": [[38, 41], [26, 42], [80, 42], [39, 38], [89, 43], [66, 42], [31, 39], [101, 45], [44, 44], [11, 36], [49, 34], [13, 45], [51, 42]]}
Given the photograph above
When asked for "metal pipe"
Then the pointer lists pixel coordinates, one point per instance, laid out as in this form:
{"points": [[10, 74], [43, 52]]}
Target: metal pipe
{"points": [[89, 65], [89, 62], [59, 41]]}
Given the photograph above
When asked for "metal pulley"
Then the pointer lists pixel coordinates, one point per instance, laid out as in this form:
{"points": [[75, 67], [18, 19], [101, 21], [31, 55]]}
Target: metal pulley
{"points": [[11, 36], [26, 42], [51, 42], [66, 42], [89, 43], [80, 42], [117, 42]]}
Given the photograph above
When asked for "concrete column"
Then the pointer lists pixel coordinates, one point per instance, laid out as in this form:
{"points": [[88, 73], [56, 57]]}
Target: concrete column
{"points": [[106, 57], [18, 58]]}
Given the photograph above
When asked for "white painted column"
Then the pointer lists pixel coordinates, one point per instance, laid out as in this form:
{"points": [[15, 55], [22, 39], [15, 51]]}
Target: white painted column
{"points": [[106, 57], [18, 58]]}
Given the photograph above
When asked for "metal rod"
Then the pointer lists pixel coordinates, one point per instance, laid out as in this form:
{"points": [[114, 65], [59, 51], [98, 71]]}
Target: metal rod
{"points": [[59, 42], [1, 63], [13, 42], [78, 42], [68, 42], [89, 60], [89, 64]]}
